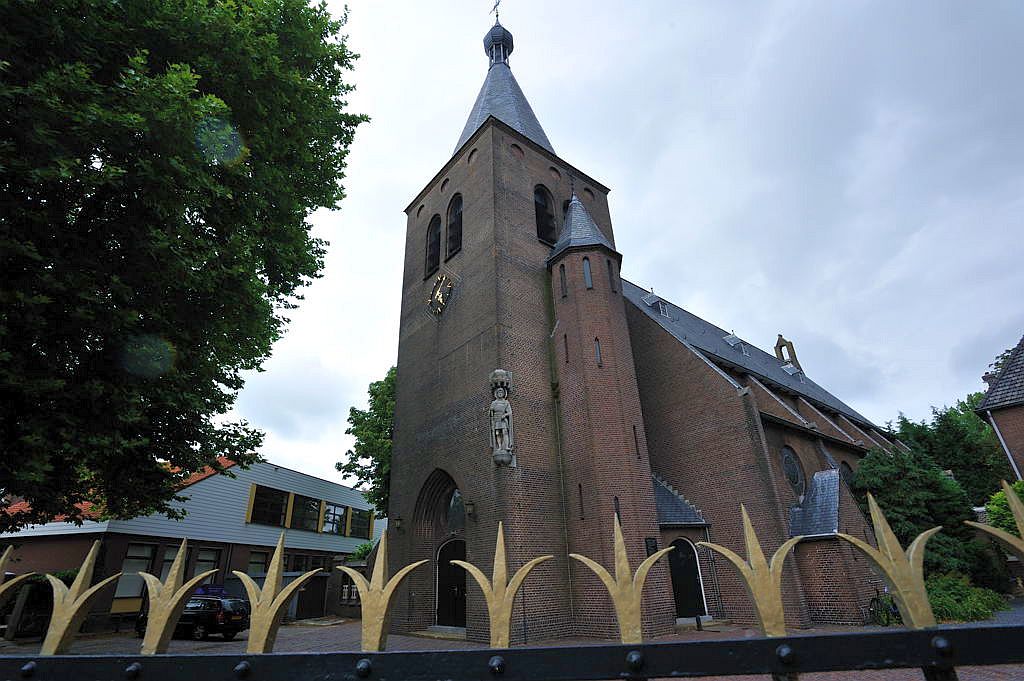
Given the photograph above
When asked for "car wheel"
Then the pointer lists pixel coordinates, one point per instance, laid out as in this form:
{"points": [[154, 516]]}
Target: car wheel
{"points": [[230, 635], [199, 632]]}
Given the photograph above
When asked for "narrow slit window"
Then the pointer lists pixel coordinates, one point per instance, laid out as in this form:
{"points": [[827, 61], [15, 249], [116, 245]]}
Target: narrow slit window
{"points": [[611, 275], [582, 514], [587, 278], [565, 341], [454, 226], [636, 442], [433, 259], [561, 276], [597, 350], [617, 514]]}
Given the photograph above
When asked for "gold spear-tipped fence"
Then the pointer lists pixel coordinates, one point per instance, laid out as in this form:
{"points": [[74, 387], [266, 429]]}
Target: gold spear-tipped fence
{"points": [[625, 588], [1014, 544], [903, 572], [71, 606], [375, 596], [167, 601], [267, 604], [499, 592], [9, 587], [762, 580]]}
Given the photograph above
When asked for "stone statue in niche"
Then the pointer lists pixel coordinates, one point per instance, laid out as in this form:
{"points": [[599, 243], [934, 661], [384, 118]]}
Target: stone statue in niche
{"points": [[500, 413]]}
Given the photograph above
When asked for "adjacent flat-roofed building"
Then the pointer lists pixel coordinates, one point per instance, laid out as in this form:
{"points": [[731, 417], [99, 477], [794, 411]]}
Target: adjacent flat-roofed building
{"points": [[232, 523]]}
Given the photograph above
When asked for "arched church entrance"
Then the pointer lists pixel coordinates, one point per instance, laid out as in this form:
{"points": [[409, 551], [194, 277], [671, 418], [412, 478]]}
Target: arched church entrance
{"points": [[451, 585], [440, 523], [686, 585]]}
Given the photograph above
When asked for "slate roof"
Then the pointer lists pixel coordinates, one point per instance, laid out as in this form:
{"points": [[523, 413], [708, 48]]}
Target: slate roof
{"points": [[673, 508], [578, 229], [1007, 389], [502, 98], [819, 512], [711, 340]]}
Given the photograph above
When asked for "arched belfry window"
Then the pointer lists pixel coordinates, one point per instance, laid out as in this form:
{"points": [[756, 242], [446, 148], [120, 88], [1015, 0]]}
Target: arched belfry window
{"points": [[433, 261], [588, 279], [454, 226], [564, 283], [543, 206]]}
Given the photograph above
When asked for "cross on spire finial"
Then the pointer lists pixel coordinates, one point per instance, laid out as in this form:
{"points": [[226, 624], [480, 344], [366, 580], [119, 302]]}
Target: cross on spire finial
{"points": [[494, 10]]}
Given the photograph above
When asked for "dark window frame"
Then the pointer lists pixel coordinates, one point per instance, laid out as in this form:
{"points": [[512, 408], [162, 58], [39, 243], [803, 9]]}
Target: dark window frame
{"points": [[432, 256], [544, 215], [588, 277], [305, 517], [260, 516], [454, 227], [334, 520], [357, 516]]}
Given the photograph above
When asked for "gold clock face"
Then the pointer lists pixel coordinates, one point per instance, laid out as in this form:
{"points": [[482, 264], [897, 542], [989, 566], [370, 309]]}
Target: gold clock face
{"points": [[440, 294]]}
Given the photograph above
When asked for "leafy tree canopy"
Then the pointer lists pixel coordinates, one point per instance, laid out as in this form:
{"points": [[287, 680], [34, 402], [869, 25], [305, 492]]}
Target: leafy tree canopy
{"points": [[916, 495], [158, 161], [999, 513], [956, 439], [370, 461]]}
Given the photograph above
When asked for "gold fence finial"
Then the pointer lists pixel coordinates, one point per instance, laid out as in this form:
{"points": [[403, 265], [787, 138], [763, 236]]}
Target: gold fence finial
{"points": [[8, 588], [71, 606], [903, 572], [375, 596], [269, 602], [625, 589], [166, 602], [763, 580], [499, 592], [1014, 544]]}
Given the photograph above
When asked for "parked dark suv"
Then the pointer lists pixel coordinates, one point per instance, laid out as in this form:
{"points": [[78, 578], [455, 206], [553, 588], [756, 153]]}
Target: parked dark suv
{"points": [[205, 615]]}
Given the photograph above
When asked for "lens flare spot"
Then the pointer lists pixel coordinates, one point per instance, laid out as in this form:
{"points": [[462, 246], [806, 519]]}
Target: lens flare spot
{"points": [[147, 356], [219, 142]]}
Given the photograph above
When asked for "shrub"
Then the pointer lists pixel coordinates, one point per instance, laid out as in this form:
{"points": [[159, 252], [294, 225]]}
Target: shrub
{"points": [[362, 551], [953, 598], [999, 514]]}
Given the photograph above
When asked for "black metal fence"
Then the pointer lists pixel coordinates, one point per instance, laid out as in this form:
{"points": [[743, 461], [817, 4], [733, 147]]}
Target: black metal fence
{"points": [[936, 652]]}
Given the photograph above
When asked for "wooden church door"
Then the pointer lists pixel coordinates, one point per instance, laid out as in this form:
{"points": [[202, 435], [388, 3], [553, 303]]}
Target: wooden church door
{"points": [[451, 585], [686, 588]]}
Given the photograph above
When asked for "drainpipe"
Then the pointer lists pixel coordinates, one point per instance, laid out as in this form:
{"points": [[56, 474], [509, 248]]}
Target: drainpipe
{"points": [[1006, 449]]}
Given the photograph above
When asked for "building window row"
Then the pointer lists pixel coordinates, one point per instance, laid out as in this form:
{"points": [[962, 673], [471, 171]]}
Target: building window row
{"points": [[143, 558], [453, 240], [588, 276], [269, 506]]}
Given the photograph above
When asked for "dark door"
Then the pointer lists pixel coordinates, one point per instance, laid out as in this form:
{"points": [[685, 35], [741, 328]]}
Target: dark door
{"points": [[451, 585], [682, 563]]}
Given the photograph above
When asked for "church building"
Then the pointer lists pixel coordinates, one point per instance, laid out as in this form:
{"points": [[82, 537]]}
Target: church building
{"points": [[538, 388]]}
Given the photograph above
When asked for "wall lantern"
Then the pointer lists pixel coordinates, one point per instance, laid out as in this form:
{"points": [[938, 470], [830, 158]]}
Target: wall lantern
{"points": [[471, 510]]}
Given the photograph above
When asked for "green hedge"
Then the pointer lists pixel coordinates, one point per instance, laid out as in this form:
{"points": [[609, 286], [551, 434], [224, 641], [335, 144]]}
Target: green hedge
{"points": [[953, 598]]}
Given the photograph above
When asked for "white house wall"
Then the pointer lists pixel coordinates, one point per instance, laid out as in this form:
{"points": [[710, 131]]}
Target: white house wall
{"points": [[217, 509]]}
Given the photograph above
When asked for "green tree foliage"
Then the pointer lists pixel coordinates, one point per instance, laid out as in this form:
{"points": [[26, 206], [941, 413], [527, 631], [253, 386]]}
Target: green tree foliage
{"points": [[362, 551], [956, 439], [158, 161], [370, 462], [954, 599], [915, 496], [999, 514]]}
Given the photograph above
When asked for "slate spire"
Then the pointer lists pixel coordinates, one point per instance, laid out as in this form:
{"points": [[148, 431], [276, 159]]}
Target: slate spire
{"points": [[578, 229], [501, 96]]}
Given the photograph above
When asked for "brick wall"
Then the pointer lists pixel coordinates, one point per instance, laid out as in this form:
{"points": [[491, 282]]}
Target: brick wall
{"points": [[1010, 422]]}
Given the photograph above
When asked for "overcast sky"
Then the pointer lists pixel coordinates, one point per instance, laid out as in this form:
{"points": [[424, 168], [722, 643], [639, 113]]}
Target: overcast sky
{"points": [[846, 173]]}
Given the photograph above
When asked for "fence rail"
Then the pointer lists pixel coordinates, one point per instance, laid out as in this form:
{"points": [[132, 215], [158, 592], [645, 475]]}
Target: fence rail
{"points": [[935, 651]]}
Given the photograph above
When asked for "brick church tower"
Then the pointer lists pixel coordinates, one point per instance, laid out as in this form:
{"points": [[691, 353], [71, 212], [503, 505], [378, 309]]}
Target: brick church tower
{"points": [[516, 396]]}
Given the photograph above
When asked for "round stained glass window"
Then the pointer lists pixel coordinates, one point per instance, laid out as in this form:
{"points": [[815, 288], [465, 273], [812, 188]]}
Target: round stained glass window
{"points": [[794, 472]]}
